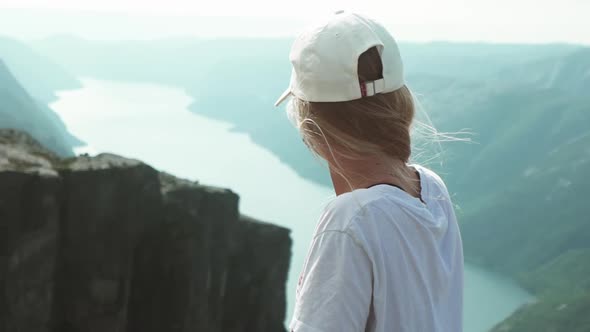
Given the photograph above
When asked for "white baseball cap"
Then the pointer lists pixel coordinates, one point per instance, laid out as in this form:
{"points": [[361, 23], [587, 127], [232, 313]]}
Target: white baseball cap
{"points": [[325, 60]]}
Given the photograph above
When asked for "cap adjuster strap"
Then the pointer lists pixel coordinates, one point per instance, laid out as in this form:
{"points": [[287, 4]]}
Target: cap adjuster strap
{"points": [[372, 88]]}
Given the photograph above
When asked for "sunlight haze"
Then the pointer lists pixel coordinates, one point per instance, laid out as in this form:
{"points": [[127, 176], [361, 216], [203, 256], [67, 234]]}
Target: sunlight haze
{"points": [[524, 21]]}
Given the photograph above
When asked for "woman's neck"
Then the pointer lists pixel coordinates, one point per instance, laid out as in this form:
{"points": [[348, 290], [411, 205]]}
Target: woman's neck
{"points": [[356, 174]]}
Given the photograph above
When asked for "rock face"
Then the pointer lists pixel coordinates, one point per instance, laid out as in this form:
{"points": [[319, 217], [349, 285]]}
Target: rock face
{"points": [[110, 244]]}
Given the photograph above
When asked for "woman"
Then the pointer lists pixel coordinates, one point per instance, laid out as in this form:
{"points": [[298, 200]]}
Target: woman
{"points": [[386, 255]]}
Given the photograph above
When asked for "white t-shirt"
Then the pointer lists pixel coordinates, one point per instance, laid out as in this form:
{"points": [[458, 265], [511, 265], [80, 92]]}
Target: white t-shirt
{"points": [[384, 261]]}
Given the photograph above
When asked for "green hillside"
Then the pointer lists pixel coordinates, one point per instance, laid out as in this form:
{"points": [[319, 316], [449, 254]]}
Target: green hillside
{"points": [[523, 189], [551, 315]]}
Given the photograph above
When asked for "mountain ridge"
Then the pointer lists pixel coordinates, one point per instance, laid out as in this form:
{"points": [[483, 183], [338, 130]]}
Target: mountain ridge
{"points": [[40, 76], [21, 111]]}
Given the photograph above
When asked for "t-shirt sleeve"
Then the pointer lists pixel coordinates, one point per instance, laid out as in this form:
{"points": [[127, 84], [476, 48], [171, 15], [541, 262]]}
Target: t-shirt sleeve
{"points": [[335, 288]]}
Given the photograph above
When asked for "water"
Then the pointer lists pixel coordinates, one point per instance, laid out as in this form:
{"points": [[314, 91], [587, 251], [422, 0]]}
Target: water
{"points": [[150, 122]]}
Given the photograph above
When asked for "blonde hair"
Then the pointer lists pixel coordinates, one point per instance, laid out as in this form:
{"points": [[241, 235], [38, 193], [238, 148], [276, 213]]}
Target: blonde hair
{"points": [[376, 125]]}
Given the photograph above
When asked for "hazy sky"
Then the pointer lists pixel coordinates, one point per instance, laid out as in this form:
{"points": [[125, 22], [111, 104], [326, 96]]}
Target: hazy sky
{"points": [[460, 20]]}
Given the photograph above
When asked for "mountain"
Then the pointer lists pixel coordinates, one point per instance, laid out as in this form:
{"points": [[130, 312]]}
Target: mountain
{"points": [[40, 76], [108, 244], [19, 110], [28, 83], [512, 120], [520, 185], [473, 61], [568, 73], [534, 222]]}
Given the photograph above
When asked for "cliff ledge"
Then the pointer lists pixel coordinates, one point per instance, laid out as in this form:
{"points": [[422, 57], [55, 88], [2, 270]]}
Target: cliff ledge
{"points": [[106, 244]]}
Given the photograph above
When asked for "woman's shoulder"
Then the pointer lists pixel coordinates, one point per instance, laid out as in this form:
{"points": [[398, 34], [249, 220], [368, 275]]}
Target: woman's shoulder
{"points": [[341, 212], [430, 179], [345, 211], [434, 188]]}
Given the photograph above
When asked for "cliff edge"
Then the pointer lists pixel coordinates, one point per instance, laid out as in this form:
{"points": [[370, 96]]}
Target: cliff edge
{"points": [[105, 243]]}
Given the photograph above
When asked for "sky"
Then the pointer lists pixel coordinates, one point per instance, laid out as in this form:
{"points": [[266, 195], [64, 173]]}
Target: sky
{"points": [[528, 21]]}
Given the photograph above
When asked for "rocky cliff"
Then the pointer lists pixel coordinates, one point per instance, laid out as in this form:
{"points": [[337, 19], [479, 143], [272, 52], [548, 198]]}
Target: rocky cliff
{"points": [[93, 244]]}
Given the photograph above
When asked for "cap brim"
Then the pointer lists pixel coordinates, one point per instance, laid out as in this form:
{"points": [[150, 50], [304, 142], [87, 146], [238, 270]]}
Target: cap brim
{"points": [[284, 96]]}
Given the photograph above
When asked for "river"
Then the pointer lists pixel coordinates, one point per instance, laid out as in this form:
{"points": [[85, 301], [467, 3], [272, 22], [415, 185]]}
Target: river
{"points": [[151, 122]]}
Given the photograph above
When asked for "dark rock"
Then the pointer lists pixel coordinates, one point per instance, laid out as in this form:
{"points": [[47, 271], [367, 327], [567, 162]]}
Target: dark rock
{"points": [[108, 203], [197, 225], [110, 244], [256, 261], [29, 217]]}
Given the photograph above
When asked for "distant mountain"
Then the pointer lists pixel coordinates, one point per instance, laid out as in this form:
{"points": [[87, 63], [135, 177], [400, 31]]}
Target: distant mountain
{"points": [[534, 169], [533, 163], [40, 76], [568, 73], [473, 61], [514, 125], [19, 110], [521, 186]]}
